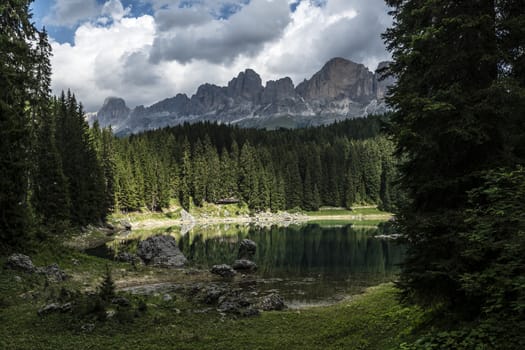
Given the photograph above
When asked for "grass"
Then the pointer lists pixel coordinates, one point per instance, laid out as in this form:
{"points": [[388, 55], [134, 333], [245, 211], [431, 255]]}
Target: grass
{"points": [[329, 211], [368, 211], [345, 222], [208, 210], [372, 321]]}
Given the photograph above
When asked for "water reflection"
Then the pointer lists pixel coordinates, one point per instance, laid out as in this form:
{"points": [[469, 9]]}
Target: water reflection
{"points": [[300, 250], [306, 264]]}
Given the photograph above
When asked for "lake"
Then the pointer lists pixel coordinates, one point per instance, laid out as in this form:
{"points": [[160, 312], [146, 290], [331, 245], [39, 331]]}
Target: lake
{"points": [[307, 264]]}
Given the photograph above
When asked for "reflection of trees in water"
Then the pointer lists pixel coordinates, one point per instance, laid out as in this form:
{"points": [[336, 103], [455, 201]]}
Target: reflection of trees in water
{"points": [[300, 250]]}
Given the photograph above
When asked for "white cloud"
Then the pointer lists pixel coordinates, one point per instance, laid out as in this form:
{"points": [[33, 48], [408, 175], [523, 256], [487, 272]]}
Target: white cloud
{"points": [[95, 66], [115, 58], [115, 10], [219, 40]]}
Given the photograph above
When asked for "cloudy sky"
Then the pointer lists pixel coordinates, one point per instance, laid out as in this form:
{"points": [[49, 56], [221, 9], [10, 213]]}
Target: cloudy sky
{"points": [[147, 50]]}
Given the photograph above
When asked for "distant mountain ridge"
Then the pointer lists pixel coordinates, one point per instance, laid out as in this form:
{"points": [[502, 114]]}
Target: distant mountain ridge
{"points": [[341, 90]]}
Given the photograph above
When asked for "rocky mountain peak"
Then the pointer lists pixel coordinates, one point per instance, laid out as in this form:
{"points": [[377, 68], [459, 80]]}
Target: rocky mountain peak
{"points": [[341, 89], [248, 85], [383, 64], [278, 90], [113, 102], [338, 79], [113, 112], [383, 82]]}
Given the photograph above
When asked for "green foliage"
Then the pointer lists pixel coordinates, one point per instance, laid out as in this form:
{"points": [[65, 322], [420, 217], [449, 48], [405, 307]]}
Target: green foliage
{"points": [[458, 125], [106, 290], [374, 320], [456, 100], [81, 163], [18, 64], [275, 170], [495, 243]]}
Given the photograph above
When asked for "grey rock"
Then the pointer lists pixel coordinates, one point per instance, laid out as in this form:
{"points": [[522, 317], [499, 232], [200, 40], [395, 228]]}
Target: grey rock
{"points": [[127, 257], [49, 308], [339, 78], [212, 293], [223, 270], [161, 251], [126, 224], [244, 265], [382, 82], [272, 302], [121, 301], [53, 308], [88, 327], [247, 249], [67, 307], [247, 85], [53, 272], [342, 89], [185, 216], [233, 304], [167, 297], [113, 112], [20, 262]]}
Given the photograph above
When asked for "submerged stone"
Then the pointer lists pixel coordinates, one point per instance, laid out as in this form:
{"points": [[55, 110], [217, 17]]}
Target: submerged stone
{"points": [[247, 249]]}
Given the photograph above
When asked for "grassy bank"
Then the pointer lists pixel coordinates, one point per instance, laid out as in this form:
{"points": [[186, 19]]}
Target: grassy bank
{"points": [[240, 213], [374, 320]]}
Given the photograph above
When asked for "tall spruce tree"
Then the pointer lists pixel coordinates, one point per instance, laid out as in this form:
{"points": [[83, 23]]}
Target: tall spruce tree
{"points": [[50, 196], [452, 62], [17, 81]]}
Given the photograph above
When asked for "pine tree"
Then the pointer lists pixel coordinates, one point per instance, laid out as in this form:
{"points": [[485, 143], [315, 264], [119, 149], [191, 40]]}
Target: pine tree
{"points": [[277, 194], [80, 162], [213, 167], [185, 176], [247, 173], [17, 81], [450, 127], [50, 195], [50, 190]]}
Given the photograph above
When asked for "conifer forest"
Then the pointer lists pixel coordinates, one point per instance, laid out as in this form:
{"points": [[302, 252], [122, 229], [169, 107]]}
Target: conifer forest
{"points": [[398, 223]]}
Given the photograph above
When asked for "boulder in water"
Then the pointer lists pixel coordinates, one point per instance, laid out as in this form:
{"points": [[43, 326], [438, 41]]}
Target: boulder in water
{"points": [[272, 302], [161, 251], [223, 270], [245, 265]]}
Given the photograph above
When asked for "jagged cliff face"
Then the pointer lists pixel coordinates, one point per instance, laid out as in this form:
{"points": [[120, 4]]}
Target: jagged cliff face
{"points": [[113, 112], [339, 79], [340, 90]]}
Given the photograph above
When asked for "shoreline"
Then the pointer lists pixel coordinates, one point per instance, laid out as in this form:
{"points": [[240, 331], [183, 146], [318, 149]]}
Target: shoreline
{"points": [[266, 219]]}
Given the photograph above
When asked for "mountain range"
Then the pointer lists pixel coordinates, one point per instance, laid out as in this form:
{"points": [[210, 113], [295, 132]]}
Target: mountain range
{"points": [[342, 89]]}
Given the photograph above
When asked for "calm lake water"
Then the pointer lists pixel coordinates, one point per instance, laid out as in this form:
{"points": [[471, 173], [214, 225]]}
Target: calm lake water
{"points": [[307, 264]]}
